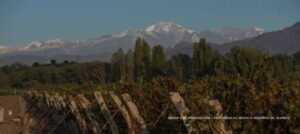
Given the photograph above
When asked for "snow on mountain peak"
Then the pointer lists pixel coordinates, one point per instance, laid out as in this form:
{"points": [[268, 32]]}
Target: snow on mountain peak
{"points": [[259, 29], [236, 30], [43, 44], [251, 32], [167, 27], [130, 31], [226, 30], [237, 34], [34, 44], [58, 41]]}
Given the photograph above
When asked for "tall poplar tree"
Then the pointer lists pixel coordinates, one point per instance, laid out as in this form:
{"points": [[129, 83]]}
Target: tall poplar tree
{"points": [[203, 55], [158, 56], [158, 60], [142, 57], [129, 65], [118, 61]]}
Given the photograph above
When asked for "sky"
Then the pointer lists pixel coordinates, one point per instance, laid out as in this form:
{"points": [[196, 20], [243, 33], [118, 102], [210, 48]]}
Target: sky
{"points": [[24, 21]]}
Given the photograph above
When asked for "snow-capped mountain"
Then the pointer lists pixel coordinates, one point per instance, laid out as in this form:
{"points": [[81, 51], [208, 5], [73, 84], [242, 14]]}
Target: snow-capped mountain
{"points": [[285, 41], [234, 34], [170, 34], [164, 33], [57, 46], [168, 28], [229, 34], [39, 45]]}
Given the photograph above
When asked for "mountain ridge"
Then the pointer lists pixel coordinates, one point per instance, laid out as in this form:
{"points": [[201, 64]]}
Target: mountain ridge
{"points": [[286, 40], [166, 34]]}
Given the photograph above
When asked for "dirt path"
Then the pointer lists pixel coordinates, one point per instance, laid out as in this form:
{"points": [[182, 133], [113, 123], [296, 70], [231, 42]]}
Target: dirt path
{"points": [[12, 110]]}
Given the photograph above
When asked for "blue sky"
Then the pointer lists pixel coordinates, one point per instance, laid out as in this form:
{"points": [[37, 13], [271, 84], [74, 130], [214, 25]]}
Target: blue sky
{"points": [[23, 21]]}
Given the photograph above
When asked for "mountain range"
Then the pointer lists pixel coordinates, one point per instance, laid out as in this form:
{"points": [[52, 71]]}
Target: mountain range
{"points": [[173, 37], [164, 33], [285, 41]]}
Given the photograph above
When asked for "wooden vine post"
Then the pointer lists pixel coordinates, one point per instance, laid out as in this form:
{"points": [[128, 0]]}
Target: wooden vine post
{"points": [[105, 112], [220, 126], [78, 117], [63, 109], [183, 110], [135, 113], [86, 105], [123, 110]]}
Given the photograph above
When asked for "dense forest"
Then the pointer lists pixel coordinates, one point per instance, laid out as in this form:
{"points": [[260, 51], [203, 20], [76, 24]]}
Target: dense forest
{"points": [[246, 81]]}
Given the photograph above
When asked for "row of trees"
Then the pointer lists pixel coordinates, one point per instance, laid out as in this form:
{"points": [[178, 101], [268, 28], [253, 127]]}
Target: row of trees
{"points": [[138, 65], [144, 63]]}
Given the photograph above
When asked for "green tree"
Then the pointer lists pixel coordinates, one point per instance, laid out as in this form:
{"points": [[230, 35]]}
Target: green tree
{"points": [[158, 60], [179, 67], [296, 61], [282, 66], [4, 80], [242, 61], [296, 58], [141, 60], [203, 55], [129, 65], [138, 51], [36, 64], [158, 56], [119, 68], [53, 62]]}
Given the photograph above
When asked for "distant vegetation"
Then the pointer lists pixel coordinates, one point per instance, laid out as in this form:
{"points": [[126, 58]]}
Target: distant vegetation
{"points": [[246, 81], [143, 64]]}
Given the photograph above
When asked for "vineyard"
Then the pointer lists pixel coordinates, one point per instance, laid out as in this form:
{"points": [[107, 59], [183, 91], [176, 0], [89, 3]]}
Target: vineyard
{"points": [[53, 113]]}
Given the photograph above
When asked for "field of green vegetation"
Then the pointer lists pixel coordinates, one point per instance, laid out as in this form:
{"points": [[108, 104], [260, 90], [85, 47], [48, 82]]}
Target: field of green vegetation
{"points": [[246, 81]]}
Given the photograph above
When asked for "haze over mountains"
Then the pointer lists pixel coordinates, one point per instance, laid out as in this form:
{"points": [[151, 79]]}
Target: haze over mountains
{"points": [[173, 37]]}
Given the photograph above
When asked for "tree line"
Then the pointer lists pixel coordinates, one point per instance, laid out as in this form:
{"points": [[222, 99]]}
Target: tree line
{"points": [[144, 63]]}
